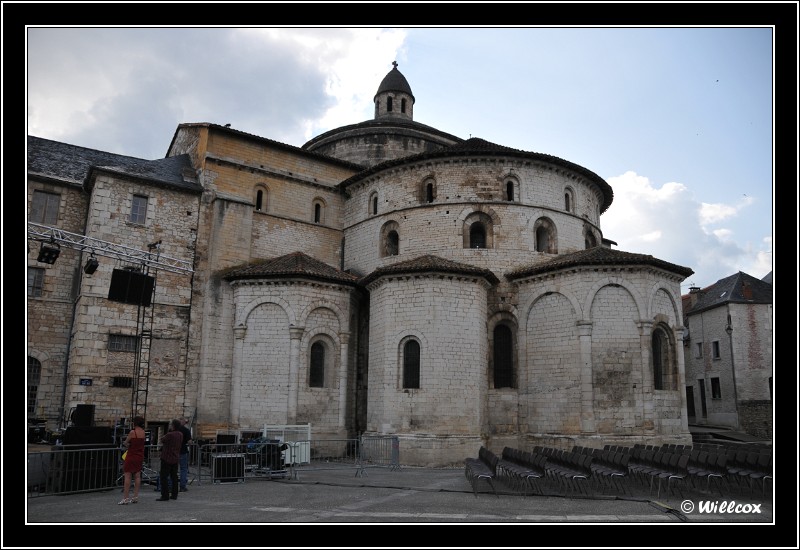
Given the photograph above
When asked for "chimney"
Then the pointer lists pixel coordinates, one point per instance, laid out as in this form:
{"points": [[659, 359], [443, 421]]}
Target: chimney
{"points": [[747, 291], [694, 294]]}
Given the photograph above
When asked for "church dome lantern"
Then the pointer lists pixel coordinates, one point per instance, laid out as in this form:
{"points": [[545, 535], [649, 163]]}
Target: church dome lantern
{"points": [[394, 98]]}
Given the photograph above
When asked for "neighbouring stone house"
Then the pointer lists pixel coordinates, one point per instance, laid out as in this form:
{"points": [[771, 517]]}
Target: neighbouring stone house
{"points": [[729, 347]]}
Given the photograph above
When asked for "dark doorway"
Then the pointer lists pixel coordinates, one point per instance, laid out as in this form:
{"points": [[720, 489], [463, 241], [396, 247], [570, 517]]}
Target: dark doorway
{"points": [[690, 402], [703, 397]]}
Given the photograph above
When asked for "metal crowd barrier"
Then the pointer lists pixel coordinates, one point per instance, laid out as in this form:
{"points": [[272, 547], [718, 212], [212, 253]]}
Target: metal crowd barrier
{"points": [[81, 468]]}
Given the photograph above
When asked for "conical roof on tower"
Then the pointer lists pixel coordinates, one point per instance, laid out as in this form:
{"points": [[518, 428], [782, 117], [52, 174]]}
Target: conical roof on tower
{"points": [[394, 81]]}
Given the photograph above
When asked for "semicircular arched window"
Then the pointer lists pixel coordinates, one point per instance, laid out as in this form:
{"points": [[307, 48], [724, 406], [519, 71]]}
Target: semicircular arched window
{"points": [[477, 235], [411, 364], [316, 375]]}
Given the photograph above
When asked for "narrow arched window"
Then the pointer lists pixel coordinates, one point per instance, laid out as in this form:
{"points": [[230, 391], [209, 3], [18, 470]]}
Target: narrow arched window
{"points": [[34, 376], [377, 107], [542, 238], [411, 364], [503, 357], [392, 243], [403, 105], [316, 377], [429, 192], [259, 199], [477, 235], [510, 191], [389, 243], [591, 240], [566, 202], [658, 360], [389, 105], [665, 366], [375, 204], [317, 213]]}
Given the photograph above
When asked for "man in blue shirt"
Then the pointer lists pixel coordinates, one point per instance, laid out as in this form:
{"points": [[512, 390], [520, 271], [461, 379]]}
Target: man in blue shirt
{"points": [[184, 460]]}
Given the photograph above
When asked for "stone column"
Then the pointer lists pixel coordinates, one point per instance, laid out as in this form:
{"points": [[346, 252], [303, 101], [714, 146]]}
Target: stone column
{"points": [[648, 396], [295, 334], [239, 333], [587, 383], [344, 339], [680, 383]]}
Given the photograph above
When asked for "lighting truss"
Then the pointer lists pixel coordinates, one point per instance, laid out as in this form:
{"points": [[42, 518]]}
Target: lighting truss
{"points": [[43, 233]]}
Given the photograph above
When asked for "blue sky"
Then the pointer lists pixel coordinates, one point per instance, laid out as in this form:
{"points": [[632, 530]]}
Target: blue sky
{"points": [[679, 121]]}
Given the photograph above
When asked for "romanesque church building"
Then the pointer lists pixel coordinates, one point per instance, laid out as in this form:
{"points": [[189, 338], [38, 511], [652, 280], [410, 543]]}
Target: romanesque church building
{"points": [[385, 278]]}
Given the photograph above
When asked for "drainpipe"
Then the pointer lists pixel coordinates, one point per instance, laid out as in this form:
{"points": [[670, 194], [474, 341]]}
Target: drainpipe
{"points": [[729, 330]]}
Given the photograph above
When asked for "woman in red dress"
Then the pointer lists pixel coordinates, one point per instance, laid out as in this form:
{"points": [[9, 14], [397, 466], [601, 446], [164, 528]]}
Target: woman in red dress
{"points": [[134, 458]]}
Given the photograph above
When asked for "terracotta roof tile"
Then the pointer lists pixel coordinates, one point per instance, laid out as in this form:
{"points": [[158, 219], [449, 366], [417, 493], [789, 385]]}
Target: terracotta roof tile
{"points": [[296, 264], [430, 264], [596, 256]]}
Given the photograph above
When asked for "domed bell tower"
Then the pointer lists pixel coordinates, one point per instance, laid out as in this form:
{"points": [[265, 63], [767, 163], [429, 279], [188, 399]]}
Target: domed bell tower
{"points": [[394, 98]]}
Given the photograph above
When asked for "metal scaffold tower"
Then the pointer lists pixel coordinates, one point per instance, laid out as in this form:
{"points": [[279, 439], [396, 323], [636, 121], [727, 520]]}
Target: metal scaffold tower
{"points": [[147, 261]]}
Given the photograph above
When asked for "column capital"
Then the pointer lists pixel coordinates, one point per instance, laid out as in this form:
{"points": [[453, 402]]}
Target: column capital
{"points": [[344, 337], [239, 331], [295, 333]]}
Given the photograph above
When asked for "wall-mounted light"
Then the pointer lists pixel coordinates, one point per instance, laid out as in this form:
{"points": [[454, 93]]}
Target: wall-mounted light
{"points": [[91, 265], [48, 253]]}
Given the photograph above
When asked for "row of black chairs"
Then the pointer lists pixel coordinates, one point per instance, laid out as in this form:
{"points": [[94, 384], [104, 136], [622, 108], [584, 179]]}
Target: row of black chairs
{"points": [[482, 468], [618, 469], [521, 471]]}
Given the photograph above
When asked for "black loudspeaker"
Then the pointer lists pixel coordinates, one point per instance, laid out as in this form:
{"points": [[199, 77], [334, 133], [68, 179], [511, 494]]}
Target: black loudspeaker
{"points": [[131, 287], [226, 439], [83, 416], [75, 435]]}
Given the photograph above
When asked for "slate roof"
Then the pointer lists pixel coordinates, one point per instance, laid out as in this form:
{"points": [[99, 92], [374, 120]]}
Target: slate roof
{"points": [[289, 266], [739, 288], [598, 256], [430, 263], [394, 81], [481, 147], [71, 164]]}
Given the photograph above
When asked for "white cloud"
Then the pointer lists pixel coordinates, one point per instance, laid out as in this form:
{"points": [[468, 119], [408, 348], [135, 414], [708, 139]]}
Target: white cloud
{"points": [[713, 213], [668, 223]]}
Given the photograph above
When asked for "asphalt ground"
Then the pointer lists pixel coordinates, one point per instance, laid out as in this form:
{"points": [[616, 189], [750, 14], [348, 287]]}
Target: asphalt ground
{"points": [[411, 500], [382, 495]]}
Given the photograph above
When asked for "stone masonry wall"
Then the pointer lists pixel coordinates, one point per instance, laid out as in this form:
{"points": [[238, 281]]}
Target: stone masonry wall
{"points": [[443, 313], [47, 315], [463, 188]]}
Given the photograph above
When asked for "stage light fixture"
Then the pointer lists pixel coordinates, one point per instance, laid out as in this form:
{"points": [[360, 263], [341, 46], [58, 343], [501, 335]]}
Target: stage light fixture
{"points": [[91, 265], [48, 253]]}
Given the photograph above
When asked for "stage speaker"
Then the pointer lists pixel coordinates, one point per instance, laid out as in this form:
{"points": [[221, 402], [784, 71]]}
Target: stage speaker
{"points": [[83, 416], [131, 287], [226, 439]]}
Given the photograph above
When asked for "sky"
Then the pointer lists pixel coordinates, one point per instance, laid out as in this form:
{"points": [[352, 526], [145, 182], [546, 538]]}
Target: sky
{"points": [[678, 120]]}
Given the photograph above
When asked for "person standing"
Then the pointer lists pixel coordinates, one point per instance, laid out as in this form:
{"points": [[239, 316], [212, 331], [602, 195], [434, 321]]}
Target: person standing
{"points": [[134, 459], [170, 456], [184, 460]]}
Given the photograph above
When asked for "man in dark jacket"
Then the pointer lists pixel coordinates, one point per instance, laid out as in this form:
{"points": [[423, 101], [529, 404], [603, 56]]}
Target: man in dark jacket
{"points": [[170, 455]]}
